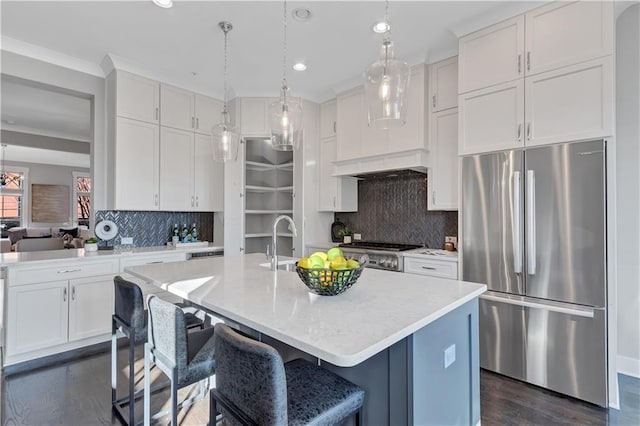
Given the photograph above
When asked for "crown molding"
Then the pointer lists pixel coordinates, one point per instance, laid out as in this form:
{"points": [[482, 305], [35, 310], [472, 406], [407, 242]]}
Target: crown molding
{"points": [[503, 10], [40, 53]]}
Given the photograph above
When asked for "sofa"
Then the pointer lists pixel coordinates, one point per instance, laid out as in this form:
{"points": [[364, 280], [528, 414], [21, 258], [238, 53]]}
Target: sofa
{"points": [[45, 238]]}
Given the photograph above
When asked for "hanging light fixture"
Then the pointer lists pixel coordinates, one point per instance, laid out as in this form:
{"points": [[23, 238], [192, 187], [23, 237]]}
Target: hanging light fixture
{"points": [[386, 83], [224, 136], [285, 115]]}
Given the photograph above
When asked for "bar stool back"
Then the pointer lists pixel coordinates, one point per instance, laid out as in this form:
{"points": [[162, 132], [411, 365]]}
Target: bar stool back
{"points": [[254, 387]]}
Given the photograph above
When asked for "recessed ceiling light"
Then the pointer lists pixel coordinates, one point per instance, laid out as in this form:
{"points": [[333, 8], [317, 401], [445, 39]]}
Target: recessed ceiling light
{"points": [[163, 3], [301, 14], [381, 27], [299, 66]]}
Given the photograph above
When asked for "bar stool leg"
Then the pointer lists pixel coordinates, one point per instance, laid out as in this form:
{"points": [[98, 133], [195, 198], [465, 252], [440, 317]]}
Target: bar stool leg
{"points": [[132, 370], [174, 397], [147, 385], [114, 362]]}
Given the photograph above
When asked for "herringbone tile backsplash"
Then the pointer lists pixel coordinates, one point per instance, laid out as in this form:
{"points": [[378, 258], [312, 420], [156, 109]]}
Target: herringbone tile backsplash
{"points": [[155, 228], [394, 210]]}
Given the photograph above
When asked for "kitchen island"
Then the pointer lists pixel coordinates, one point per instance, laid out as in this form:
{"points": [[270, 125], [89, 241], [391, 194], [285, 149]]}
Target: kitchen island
{"points": [[410, 341]]}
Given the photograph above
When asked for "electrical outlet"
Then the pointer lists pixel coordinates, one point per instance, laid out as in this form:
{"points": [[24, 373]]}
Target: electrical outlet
{"points": [[449, 356], [357, 237], [126, 240], [453, 240]]}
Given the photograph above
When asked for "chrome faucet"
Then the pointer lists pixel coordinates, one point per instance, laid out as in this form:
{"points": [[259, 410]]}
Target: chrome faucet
{"points": [[274, 238]]}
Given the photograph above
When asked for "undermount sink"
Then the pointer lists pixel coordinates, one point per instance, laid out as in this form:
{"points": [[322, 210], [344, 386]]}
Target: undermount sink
{"points": [[285, 265]]}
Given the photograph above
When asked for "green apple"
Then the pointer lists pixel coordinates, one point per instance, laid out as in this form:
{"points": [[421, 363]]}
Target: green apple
{"points": [[316, 262], [334, 252]]}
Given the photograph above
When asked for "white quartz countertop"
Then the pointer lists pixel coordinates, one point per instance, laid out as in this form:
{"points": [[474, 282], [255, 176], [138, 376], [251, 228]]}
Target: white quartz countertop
{"points": [[434, 254], [8, 259], [381, 309]]}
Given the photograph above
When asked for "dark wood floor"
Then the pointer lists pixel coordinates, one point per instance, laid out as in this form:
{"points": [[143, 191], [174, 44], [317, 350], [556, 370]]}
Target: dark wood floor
{"points": [[79, 393]]}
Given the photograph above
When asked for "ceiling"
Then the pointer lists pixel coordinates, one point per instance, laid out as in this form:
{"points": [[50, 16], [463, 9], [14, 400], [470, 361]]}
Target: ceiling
{"points": [[184, 46]]}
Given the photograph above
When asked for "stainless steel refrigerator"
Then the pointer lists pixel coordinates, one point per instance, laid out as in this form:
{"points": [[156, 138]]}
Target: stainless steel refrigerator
{"points": [[534, 230]]}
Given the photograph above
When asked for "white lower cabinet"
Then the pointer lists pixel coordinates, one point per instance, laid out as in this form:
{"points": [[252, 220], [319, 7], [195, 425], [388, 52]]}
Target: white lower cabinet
{"points": [[47, 317], [431, 267]]}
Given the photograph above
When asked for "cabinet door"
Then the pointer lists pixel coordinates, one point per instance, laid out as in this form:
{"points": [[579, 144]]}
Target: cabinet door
{"points": [[491, 119], [442, 180], [37, 316], [254, 116], [176, 170], [208, 180], [328, 117], [137, 157], [566, 33], [411, 135], [176, 108], [327, 184], [570, 103], [137, 97], [208, 112], [349, 127], [491, 56], [90, 307], [443, 78]]}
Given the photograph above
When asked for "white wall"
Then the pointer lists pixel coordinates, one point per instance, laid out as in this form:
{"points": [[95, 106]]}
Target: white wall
{"points": [[628, 188]]}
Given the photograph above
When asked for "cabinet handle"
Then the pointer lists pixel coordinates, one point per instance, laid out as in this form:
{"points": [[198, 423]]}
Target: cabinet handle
{"points": [[197, 201], [157, 113], [519, 63], [529, 131], [156, 199], [192, 201], [154, 262], [193, 122], [433, 197], [334, 201], [64, 295], [429, 268], [66, 271], [528, 61], [73, 293], [520, 132], [334, 127], [241, 248], [433, 101], [197, 123]]}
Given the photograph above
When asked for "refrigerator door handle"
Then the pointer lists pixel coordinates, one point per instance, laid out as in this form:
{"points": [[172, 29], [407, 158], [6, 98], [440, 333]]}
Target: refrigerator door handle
{"points": [[531, 222], [517, 232], [579, 311]]}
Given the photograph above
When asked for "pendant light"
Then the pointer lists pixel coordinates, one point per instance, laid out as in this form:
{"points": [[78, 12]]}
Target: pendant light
{"points": [[224, 136], [285, 115], [386, 83]]}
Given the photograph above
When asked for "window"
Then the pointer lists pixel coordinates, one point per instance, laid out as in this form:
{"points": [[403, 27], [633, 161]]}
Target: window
{"points": [[82, 198], [12, 199]]}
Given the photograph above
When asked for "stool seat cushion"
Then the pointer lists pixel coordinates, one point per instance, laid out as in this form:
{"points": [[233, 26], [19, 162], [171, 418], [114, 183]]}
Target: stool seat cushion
{"points": [[316, 396]]}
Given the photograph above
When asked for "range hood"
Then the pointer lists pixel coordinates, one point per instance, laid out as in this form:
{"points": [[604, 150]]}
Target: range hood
{"points": [[416, 160], [392, 174]]}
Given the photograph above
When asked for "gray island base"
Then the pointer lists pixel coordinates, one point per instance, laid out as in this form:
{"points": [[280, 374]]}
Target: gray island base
{"points": [[410, 341]]}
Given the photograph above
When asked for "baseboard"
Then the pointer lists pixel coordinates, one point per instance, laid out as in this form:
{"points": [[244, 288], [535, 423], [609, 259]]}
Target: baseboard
{"points": [[628, 366]]}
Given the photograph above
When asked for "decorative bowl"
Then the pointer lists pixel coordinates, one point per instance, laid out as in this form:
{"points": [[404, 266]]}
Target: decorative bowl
{"points": [[329, 282]]}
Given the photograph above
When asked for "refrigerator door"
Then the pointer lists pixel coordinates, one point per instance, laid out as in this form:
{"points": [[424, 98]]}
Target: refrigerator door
{"points": [[565, 223], [567, 352], [492, 220], [502, 336]]}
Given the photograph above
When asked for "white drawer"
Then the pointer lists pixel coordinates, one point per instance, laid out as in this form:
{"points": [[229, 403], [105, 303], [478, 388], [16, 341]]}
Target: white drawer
{"points": [[62, 271], [126, 262], [431, 267]]}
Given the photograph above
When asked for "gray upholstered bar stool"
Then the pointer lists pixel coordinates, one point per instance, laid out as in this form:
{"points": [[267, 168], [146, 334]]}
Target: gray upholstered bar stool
{"points": [[130, 319], [254, 387], [186, 358]]}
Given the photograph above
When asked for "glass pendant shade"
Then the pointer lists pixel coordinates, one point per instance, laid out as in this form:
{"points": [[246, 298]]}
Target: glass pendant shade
{"points": [[386, 85], [285, 119], [225, 140]]}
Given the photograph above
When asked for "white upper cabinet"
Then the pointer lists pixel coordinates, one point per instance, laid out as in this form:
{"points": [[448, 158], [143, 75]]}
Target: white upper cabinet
{"points": [[328, 119], [176, 170], [412, 135], [254, 116], [176, 108], [137, 97], [136, 165], [443, 81], [208, 176], [442, 179], [336, 194], [492, 55], [492, 119], [208, 113], [570, 103], [565, 33], [349, 127]]}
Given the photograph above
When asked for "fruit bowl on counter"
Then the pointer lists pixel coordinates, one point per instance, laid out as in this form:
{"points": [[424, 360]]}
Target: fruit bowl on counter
{"points": [[329, 274]]}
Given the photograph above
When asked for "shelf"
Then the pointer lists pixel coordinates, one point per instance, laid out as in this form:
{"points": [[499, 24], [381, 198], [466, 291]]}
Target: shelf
{"points": [[269, 211], [262, 167], [263, 189], [266, 234], [284, 189]]}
